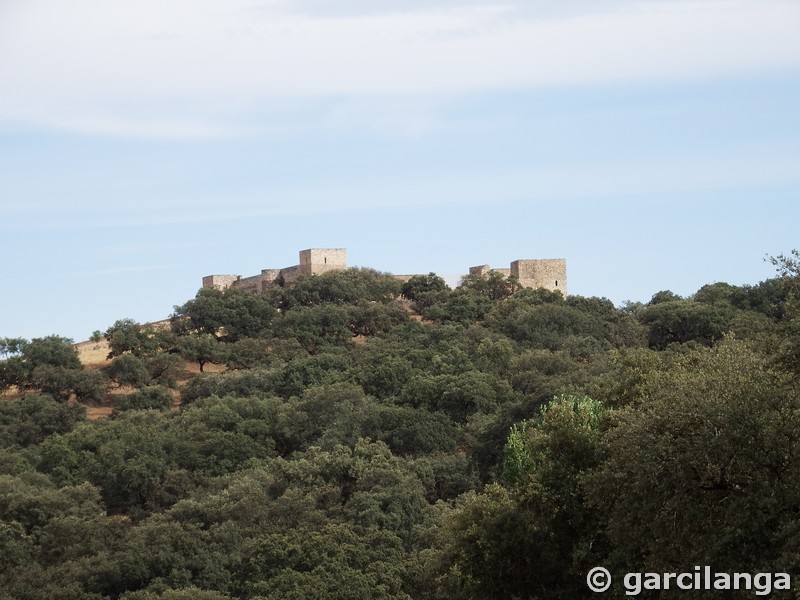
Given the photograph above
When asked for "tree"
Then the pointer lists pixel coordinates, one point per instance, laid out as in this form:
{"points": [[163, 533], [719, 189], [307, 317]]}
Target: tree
{"points": [[716, 293], [11, 346], [494, 285], [31, 419], [334, 561], [164, 368], [53, 350], [248, 353], [128, 369], [126, 335], [788, 353], [229, 315], [684, 321], [419, 285], [202, 348], [152, 397], [351, 286], [51, 365], [370, 318], [703, 469], [316, 326], [664, 296], [535, 537]]}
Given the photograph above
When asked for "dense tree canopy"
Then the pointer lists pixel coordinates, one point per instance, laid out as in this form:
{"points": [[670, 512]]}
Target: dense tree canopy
{"points": [[352, 436]]}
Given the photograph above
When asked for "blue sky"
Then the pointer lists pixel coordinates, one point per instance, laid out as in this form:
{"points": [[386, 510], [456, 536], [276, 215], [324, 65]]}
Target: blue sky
{"points": [[653, 143]]}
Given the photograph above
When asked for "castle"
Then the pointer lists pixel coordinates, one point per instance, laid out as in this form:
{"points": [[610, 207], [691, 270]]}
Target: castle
{"points": [[549, 273]]}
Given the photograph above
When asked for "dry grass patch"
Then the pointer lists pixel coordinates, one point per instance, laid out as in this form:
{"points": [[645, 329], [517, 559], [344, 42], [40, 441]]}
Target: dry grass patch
{"points": [[93, 355]]}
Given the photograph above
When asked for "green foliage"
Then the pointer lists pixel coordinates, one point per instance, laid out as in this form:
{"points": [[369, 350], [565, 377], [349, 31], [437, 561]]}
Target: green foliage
{"points": [[580, 326], [788, 351], [685, 321], [11, 346], [308, 372], [493, 285], [51, 366], [236, 383], [316, 327], [705, 470], [52, 356], [231, 315], [384, 376], [248, 353], [164, 368], [202, 349], [16, 546], [151, 397], [349, 287], [769, 298], [664, 296], [349, 451], [31, 500], [333, 562], [458, 307], [536, 538], [372, 318], [128, 369], [421, 286], [544, 373], [88, 386], [188, 593], [458, 396], [715, 293], [517, 459], [31, 419], [128, 336]]}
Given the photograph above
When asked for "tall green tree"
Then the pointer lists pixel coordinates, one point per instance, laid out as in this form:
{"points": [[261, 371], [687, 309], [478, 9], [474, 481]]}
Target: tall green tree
{"points": [[536, 536], [50, 365], [704, 469]]}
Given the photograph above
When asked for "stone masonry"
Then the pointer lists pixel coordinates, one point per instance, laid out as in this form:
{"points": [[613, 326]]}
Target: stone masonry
{"points": [[548, 273], [313, 261]]}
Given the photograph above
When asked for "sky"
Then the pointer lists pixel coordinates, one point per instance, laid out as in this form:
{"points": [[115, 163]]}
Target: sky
{"points": [[654, 144]]}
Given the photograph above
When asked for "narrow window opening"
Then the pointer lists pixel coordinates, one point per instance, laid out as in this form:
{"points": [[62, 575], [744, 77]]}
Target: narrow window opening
{"points": [[326, 260], [556, 282]]}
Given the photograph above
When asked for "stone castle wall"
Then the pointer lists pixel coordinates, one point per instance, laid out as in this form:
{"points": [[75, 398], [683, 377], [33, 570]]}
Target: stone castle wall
{"points": [[220, 282], [290, 274], [251, 284], [316, 261], [313, 261], [486, 269], [480, 270], [549, 273]]}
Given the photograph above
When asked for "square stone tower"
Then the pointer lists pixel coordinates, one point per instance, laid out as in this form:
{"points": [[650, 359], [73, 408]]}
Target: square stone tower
{"points": [[548, 273], [220, 282], [316, 261]]}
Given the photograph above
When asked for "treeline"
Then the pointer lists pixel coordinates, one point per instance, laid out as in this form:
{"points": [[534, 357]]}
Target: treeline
{"points": [[363, 438]]}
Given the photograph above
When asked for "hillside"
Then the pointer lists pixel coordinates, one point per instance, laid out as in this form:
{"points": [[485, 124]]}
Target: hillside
{"points": [[354, 437]]}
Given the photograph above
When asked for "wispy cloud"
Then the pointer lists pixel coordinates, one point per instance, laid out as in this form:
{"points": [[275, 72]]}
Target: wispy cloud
{"points": [[555, 182], [190, 69]]}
